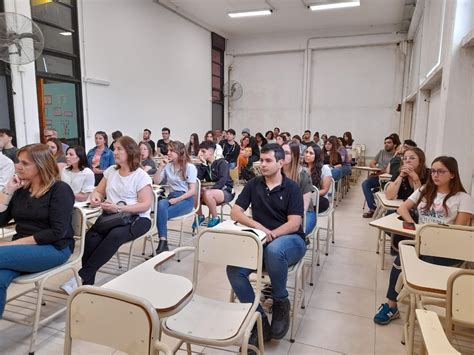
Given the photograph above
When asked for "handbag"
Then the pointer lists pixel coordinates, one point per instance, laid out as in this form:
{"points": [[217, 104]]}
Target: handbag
{"points": [[108, 221]]}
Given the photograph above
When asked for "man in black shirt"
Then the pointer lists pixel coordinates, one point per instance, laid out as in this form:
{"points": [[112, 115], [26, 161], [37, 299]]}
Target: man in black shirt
{"points": [[162, 144], [230, 149], [278, 210], [216, 171], [147, 139]]}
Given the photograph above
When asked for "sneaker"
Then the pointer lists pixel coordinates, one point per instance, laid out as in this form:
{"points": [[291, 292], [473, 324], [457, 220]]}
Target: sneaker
{"points": [[368, 214], [281, 318], [69, 286], [214, 221], [162, 246], [201, 220], [267, 335], [385, 314]]}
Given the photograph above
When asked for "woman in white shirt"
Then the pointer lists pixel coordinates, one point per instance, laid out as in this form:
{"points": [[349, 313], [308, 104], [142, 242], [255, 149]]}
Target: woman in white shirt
{"points": [[177, 171], [76, 174], [128, 189], [442, 200]]}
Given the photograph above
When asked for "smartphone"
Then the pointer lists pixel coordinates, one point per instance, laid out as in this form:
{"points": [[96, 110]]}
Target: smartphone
{"points": [[409, 225]]}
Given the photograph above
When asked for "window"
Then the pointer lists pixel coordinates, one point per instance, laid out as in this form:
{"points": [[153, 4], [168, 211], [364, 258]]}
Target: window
{"points": [[218, 50], [58, 70]]}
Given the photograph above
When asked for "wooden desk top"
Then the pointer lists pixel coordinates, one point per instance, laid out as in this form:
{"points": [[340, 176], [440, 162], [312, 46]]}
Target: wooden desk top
{"points": [[164, 291], [423, 276], [392, 224], [385, 176], [230, 225], [367, 168], [386, 203], [90, 212]]}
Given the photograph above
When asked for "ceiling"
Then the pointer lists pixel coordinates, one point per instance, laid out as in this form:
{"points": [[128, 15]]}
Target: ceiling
{"points": [[293, 16]]}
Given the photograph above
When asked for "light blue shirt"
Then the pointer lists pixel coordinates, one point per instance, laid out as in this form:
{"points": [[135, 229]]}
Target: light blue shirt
{"points": [[175, 180]]}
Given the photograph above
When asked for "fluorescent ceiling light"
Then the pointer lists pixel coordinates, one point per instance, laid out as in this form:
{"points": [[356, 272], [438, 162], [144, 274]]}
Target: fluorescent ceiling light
{"points": [[250, 13], [334, 5], [66, 33]]}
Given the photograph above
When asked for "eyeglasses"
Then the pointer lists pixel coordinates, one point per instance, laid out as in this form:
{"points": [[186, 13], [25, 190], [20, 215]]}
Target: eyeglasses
{"points": [[438, 171]]}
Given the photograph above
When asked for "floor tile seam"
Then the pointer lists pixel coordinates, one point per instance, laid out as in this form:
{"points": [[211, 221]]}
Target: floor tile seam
{"points": [[358, 287], [335, 311], [317, 347]]}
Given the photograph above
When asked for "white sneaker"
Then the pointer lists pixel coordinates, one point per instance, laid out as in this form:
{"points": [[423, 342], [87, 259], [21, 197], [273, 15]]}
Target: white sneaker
{"points": [[69, 286]]}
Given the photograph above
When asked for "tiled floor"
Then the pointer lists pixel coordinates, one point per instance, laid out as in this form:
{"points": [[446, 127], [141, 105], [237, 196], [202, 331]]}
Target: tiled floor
{"points": [[337, 319]]}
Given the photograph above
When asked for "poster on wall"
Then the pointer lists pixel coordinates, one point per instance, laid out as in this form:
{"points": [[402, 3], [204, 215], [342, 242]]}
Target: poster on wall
{"points": [[60, 109]]}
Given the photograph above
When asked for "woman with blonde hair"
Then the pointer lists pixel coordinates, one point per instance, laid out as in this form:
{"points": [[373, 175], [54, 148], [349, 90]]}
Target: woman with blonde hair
{"points": [[177, 171], [41, 205]]}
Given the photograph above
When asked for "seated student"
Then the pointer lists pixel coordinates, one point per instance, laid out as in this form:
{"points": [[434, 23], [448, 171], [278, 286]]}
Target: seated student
{"points": [[147, 139], [442, 200], [115, 135], [255, 150], [261, 140], [176, 171], [56, 149], [100, 157], [192, 147], [41, 206], [279, 213], [320, 174], [231, 149], [209, 136], [293, 170], [332, 157], [244, 153], [394, 165], [7, 169], [346, 158], [381, 161], [128, 189], [146, 161], [280, 139], [270, 137], [162, 144], [6, 145], [217, 171], [347, 140], [77, 175]]}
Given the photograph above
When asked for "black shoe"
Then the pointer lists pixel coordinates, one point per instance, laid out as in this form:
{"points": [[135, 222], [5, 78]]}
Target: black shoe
{"points": [[281, 318], [267, 335], [162, 246]]}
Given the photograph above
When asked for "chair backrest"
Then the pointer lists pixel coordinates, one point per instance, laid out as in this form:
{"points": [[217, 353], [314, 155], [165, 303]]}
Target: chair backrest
{"points": [[197, 199], [460, 300], [234, 175], [447, 241], [331, 194], [228, 247], [111, 318], [79, 227]]}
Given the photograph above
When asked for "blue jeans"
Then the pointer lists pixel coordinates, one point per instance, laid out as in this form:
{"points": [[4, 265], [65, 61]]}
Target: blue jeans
{"points": [[278, 255], [165, 211], [232, 165], [26, 258], [346, 170], [310, 221], [367, 186], [336, 174]]}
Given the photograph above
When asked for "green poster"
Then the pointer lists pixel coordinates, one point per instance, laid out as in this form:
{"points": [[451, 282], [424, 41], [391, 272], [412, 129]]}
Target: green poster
{"points": [[60, 109]]}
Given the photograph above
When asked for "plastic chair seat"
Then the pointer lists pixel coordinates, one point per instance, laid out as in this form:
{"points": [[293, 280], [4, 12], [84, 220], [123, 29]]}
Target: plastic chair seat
{"points": [[209, 319]]}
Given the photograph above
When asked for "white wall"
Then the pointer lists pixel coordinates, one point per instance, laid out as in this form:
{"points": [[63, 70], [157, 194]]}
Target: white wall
{"points": [[355, 83], [443, 115], [158, 66]]}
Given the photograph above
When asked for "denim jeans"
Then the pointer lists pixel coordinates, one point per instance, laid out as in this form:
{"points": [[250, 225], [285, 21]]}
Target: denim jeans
{"points": [[346, 170], [336, 174], [310, 221], [232, 165], [367, 186], [26, 258], [165, 211], [278, 255]]}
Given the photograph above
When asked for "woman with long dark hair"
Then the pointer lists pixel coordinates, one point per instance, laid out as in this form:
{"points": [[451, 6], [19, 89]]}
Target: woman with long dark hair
{"points": [[192, 147], [270, 137], [177, 171], [261, 140], [442, 200], [332, 157], [77, 174], [347, 140], [320, 174]]}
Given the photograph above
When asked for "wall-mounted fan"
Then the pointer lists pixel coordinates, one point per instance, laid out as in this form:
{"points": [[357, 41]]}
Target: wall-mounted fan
{"points": [[21, 40], [233, 90]]}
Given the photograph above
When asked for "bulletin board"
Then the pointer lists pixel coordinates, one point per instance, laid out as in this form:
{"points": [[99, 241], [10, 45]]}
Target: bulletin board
{"points": [[60, 109]]}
